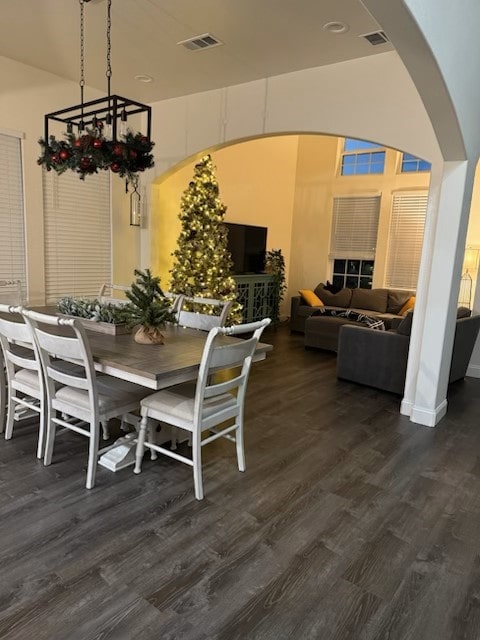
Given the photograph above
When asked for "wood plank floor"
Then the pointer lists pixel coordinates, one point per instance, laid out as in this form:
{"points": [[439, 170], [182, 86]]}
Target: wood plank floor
{"points": [[349, 523]]}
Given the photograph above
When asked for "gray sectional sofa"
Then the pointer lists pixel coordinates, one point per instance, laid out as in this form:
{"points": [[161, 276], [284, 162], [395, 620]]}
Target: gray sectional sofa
{"points": [[379, 358], [321, 331]]}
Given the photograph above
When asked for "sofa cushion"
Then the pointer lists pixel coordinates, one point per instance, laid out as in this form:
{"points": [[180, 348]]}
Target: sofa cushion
{"points": [[409, 304], [310, 298], [370, 299], [405, 326], [340, 299], [396, 300]]}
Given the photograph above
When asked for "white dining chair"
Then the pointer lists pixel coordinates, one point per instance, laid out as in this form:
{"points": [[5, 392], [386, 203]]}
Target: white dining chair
{"points": [[24, 380], [106, 293], [193, 312], [11, 292], [82, 398], [176, 301], [206, 404]]}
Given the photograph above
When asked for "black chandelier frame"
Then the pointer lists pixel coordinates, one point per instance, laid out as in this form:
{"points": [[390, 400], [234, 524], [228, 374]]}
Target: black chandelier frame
{"points": [[114, 106]]}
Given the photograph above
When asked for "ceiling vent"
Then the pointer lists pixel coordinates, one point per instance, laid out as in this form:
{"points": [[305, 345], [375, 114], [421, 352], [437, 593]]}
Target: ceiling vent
{"points": [[378, 37], [205, 41]]}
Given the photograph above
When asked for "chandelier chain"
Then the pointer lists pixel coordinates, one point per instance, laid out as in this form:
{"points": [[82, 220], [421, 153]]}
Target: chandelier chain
{"points": [[109, 45], [82, 53]]}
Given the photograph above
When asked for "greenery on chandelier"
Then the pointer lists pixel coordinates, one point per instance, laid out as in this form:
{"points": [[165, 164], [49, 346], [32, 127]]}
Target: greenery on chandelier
{"points": [[202, 263], [91, 151], [275, 266]]}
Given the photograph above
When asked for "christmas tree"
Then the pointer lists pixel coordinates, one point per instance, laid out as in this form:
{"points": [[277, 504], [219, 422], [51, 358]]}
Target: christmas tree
{"points": [[203, 264]]}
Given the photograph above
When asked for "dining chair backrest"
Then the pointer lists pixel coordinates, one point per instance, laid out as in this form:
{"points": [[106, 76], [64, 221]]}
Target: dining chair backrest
{"points": [[68, 343], [176, 300], [11, 292], [107, 290], [16, 341], [202, 319], [220, 355]]}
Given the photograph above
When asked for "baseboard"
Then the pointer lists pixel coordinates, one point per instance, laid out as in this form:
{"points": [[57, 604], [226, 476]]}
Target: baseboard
{"points": [[428, 417], [406, 407], [473, 371]]}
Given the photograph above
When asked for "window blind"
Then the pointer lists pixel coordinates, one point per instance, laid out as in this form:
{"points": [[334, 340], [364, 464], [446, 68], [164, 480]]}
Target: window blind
{"points": [[77, 234], [354, 227], [407, 224], [12, 223]]}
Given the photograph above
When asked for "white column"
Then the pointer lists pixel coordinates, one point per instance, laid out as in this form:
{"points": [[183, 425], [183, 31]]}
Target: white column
{"points": [[433, 334]]}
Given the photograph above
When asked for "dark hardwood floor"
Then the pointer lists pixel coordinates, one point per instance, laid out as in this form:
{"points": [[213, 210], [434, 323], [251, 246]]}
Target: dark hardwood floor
{"points": [[349, 523]]}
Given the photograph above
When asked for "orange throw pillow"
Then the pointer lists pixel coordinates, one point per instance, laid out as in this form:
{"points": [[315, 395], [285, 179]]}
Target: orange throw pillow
{"points": [[409, 304], [311, 298]]}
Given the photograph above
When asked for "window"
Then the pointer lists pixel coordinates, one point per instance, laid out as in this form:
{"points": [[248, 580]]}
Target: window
{"points": [[77, 234], [353, 240], [406, 239], [355, 274], [12, 224], [412, 164], [360, 157]]}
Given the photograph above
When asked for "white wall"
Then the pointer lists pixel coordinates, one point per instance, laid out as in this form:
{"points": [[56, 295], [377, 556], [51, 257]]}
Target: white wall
{"points": [[370, 98]]}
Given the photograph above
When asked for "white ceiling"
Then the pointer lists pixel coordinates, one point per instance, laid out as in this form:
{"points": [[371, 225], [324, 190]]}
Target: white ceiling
{"points": [[262, 38]]}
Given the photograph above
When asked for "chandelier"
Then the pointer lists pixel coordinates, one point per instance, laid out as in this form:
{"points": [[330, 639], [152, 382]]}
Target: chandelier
{"points": [[97, 134]]}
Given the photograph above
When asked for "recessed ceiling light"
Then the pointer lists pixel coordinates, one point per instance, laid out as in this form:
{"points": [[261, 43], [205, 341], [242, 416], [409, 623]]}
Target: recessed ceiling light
{"points": [[336, 27], [144, 78]]}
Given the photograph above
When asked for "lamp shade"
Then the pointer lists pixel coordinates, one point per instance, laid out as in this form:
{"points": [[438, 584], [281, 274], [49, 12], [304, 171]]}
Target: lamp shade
{"points": [[470, 260]]}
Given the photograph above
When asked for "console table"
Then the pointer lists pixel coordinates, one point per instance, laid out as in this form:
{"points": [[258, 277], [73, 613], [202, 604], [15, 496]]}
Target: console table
{"points": [[256, 293]]}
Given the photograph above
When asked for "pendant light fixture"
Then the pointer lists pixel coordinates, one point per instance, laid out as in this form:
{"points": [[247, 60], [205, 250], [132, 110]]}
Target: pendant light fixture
{"points": [[97, 135]]}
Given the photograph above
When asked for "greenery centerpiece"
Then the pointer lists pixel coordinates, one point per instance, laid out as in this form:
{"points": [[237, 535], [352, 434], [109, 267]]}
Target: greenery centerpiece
{"points": [[94, 310], [148, 308]]}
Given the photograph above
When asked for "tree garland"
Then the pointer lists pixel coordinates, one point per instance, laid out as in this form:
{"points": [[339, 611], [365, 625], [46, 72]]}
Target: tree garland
{"points": [[88, 153]]}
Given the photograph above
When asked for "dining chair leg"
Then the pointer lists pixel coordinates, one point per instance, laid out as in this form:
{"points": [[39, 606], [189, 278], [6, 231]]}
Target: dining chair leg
{"points": [[3, 397], [240, 447], [41, 431], [105, 430], [197, 467], [173, 438], [10, 417], [51, 428], [140, 444], [151, 431], [92, 457]]}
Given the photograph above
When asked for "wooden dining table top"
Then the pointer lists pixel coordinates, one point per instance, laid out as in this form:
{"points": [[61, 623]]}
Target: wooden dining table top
{"points": [[154, 366]]}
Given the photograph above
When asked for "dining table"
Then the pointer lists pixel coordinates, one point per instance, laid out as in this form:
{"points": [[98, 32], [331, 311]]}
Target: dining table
{"points": [[156, 366], [153, 366]]}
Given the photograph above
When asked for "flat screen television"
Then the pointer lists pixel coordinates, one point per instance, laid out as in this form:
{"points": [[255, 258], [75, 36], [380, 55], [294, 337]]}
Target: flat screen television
{"points": [[248, 245]]}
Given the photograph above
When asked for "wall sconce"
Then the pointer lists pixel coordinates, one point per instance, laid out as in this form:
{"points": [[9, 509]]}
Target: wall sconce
{"points": [[470, 260], [470, 265], [135, 207]]}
